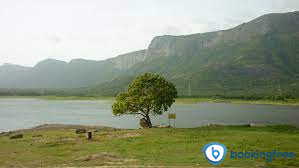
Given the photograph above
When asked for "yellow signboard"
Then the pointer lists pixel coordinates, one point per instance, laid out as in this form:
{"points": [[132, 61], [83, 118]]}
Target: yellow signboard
{"points": [[171, 116]]}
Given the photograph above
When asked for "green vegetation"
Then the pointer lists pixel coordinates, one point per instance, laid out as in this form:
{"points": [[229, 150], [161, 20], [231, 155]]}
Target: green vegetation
{"points": [[148, 94], [239, 63], [156, 146], [237, 101], [294, 102]]}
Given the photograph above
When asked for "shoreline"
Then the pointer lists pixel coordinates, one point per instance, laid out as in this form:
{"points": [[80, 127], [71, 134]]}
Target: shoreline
{"points": [[288, 102], [65, 127], [55, 127]]}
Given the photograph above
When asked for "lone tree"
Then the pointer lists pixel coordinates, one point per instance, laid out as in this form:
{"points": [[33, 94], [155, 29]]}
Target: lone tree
{"points": [[147, 94]]}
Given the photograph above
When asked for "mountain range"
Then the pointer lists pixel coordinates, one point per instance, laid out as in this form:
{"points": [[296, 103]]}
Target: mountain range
{"points": [[260, 57]]}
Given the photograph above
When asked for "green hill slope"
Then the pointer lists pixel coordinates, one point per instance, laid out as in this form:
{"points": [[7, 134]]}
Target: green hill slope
{"points": [[259, 58]]}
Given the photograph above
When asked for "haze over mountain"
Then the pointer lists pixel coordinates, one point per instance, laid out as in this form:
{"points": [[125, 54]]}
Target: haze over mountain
{"points": [[258, 57]]}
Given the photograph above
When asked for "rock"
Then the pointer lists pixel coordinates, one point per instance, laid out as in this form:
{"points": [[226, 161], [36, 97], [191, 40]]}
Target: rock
{"points": [[254, 125], [97, 130], [16, 136], [6, 133], [83, 158], [101, 156], [214, 125], [130, 134], [80, 131], [162, 126], [143, 123], [65, 140], [36, 136], [128, 60]]}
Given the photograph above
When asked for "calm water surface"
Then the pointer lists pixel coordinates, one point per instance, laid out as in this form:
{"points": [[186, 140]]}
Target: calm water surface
{"points": [[25, 113]]}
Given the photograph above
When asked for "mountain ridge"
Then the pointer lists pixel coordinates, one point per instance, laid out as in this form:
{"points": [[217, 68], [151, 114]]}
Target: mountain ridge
{"points": [[251, 57]]}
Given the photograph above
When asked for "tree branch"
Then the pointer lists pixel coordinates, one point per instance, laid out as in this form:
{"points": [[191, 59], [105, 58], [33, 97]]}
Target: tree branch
{"points": [[140, 114]]}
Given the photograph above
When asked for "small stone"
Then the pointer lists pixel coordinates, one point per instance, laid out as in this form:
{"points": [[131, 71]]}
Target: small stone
{"points": [[16, 136], [80, 131], [97, 130], [163, 126]]}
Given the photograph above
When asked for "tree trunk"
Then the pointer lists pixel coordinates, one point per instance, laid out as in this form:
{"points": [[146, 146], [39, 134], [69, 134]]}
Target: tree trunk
{"points": [[148, 120]]}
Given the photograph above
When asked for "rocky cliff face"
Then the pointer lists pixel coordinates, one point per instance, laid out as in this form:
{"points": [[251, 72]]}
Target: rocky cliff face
{"points": [[126, 61], [190, 45], [254, 54]]}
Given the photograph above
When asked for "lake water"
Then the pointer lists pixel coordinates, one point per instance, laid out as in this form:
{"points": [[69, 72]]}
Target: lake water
{"points": [[25, 113]]}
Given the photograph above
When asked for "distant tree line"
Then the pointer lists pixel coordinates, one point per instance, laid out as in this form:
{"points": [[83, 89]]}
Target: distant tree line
{"points": [[244, 97], [84, 93]]}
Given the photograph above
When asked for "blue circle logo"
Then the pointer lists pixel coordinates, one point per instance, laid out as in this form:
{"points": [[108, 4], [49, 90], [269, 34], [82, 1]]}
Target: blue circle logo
{"points": [[214, 152]]}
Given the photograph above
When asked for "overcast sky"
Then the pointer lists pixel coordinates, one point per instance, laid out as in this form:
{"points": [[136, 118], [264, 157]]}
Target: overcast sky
{"points": [[33, 30]]}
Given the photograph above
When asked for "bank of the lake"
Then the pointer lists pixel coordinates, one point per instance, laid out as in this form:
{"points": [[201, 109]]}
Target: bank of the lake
{"points": [[157, 147], [294, 102]]}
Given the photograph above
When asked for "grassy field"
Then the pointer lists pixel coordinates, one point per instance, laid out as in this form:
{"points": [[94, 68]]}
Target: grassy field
{"points": [[157, 146]]}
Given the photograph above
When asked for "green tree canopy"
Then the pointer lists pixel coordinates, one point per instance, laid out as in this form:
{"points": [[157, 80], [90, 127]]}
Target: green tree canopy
{"points": [[148, 94]]}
